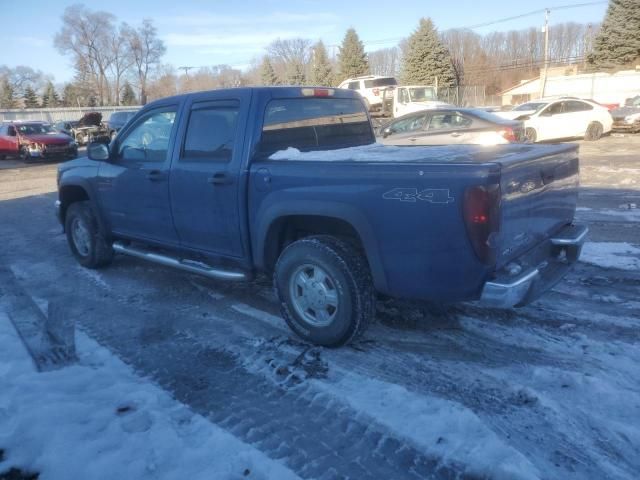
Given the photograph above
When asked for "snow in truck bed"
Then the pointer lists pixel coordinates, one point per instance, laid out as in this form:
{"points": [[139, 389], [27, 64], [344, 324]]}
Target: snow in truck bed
{"points": [[377, 152]]}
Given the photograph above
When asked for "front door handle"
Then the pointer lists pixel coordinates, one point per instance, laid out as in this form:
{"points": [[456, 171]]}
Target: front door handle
{"points": [[220, 178], [156, 175], [456, 134]]}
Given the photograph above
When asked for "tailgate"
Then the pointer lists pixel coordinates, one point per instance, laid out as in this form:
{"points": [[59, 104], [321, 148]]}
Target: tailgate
{"points": [[539, 196]]}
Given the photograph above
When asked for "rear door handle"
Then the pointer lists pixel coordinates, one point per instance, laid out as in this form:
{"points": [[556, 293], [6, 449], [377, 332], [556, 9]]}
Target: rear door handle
{"points": [[156, 175], [220, 178], [456, 134]]}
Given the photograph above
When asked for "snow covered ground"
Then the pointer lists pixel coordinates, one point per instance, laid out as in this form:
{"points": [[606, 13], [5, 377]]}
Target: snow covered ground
{"points": [[99, 420]]}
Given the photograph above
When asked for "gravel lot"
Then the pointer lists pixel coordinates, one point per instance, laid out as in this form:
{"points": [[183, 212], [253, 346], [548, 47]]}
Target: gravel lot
{"points": [[553, 387]]}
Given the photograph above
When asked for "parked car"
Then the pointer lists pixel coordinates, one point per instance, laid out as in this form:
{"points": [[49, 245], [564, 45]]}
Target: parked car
{"points": [[372, 88], [88, 129], [446, 126], [627, 118], [35, 140], [66, 126], [117, 120], [413, 98], [562, 119], [290, 182]]}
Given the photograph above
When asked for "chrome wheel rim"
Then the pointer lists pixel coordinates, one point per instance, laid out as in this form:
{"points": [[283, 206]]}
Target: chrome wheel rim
{"points": [[314, 295], [81, 236]]}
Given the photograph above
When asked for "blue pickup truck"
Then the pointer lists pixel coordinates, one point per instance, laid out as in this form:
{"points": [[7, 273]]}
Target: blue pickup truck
{"points": [[289, 181]]}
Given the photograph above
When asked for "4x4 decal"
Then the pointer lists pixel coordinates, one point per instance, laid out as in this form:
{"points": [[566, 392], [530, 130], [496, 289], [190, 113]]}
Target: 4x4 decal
{"points": [[431, 195]]}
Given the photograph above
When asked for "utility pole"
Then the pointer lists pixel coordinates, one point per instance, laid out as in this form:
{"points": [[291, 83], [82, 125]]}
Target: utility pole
{"points": [[543, 76], [186, 70]]}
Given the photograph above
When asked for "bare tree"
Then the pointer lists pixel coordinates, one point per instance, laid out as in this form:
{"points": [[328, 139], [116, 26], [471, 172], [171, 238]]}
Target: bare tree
{"points": [[85, 35], [121, 58], [385, 61], [147, 50]]}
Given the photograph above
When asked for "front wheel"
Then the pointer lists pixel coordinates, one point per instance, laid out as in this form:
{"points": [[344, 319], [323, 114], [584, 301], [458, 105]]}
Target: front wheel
{"points": [[86, 241], [325, 290], [594, 132]]}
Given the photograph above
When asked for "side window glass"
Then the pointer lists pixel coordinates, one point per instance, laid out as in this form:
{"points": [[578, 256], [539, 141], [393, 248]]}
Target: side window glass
{"points": [[409, 124], [446, 120], [149, 139], [354, 85], [210, 134]]}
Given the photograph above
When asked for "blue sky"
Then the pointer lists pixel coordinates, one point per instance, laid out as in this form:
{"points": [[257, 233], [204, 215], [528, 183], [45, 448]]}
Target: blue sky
{"points": [[200, 33]]}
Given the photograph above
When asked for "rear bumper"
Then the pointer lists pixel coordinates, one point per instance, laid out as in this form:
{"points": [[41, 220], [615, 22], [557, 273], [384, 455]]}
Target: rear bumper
{"points": [[528, 277]]}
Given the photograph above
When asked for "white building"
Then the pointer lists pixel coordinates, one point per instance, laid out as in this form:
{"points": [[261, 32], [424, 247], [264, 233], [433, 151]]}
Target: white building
{"points": [[601, 87]]}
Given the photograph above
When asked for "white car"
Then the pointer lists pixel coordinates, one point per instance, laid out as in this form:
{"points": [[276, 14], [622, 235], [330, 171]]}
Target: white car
{"points": [[561, 118], [372, 88], [414, 98]]}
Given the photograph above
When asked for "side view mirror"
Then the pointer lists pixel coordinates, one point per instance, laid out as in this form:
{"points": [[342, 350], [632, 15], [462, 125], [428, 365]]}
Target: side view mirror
{"points": [[98, 151], [386, 132]]}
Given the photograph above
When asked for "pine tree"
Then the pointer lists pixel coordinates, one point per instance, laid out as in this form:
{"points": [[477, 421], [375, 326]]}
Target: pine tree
{"points": [[427, 58], [295, 74], [267, 72], [30, 98], [128, 95], [618, 42], [50, 96], [69, 96], [322, 71], [353, 59], [7, 95]]}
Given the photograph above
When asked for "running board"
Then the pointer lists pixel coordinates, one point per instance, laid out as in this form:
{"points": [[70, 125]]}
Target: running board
{"points": [[182, 264]]}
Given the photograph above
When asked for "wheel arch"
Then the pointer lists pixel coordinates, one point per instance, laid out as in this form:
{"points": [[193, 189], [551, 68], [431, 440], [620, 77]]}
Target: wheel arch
{"points": [[282, 225], [78, 191]]}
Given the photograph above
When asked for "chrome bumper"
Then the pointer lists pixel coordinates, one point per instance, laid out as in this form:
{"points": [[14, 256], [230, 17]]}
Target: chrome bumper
{"points": [[552, 261]]}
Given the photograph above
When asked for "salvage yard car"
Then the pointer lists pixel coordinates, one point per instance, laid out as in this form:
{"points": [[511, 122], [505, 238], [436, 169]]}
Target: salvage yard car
{"points": [[373, 89], [627, 118], [557, 119], [35, 140], [117, 120], [290, 182], [446, 126]]}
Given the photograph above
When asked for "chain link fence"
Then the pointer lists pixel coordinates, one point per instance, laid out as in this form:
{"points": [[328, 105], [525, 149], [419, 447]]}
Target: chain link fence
{"points": [[469, 96], [53, 115]]}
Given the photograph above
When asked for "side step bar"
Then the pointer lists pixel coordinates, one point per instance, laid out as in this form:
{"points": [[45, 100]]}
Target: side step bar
{"points": [[182, 264]]}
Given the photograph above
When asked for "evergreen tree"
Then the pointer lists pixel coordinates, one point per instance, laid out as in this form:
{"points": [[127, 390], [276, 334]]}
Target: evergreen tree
{"points": [[295, 74], [267, 73], [30, 98], [427, 58], [618, 42], [50, 96], [353, 59], [69, 96], [7, 95], [128, 95], [322, 71]]}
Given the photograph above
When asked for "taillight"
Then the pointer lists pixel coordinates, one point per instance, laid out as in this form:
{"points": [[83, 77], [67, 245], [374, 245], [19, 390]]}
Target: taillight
{"points": [[318, 92], [376, 91], [482, 218], [509, 134]]}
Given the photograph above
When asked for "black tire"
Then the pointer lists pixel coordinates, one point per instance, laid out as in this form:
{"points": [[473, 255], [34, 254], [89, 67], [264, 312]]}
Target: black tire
{"points": [[97, 252], [531, 135], [348, 272], [25, 156], [594, 132]]}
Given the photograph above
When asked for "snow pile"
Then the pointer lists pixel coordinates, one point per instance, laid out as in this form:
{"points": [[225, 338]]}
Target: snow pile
{"points": [[98, 420], [377, 152], [441, 427], [618, 255]]}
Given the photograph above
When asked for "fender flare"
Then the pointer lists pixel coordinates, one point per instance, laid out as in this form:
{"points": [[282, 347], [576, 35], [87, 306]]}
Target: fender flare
{"points": [[340, 211]]}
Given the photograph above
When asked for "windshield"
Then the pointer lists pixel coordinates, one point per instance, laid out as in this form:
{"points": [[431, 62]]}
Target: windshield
{"points": [[422, 94], [529, 106], [34, 128]]}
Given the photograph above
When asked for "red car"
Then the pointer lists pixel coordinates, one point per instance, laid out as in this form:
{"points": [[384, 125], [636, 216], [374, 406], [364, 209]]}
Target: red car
{"points": [[35, 140]]}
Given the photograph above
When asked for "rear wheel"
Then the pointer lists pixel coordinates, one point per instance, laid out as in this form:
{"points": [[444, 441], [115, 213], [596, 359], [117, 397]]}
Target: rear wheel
{"points": [[86, 241], [325, 290], [594, 132], [531, 135]]}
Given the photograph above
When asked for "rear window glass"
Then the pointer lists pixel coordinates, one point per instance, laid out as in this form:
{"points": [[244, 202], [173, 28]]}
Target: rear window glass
{"points": [[314, 123], [380, 82], [489, 117]]}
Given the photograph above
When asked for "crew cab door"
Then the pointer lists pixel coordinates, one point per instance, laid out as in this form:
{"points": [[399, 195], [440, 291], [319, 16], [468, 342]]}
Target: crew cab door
{"points": [[205, 180], [9, 144], [133, 187]]}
